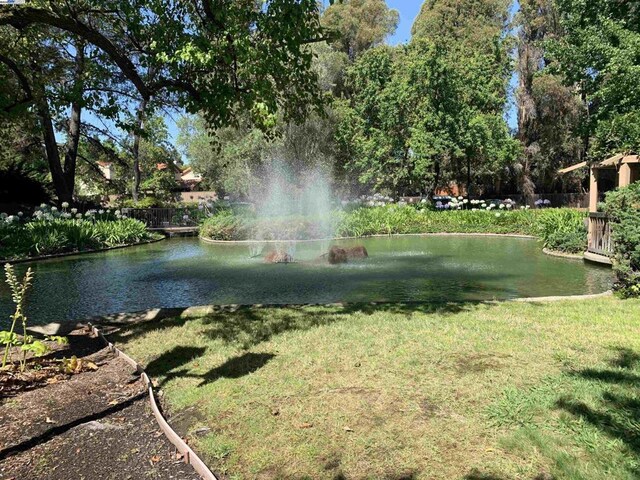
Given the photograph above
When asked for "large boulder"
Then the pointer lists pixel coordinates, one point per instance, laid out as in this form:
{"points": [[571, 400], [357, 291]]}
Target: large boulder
{"points": [[278, 256], [337, 255], [359, 251]]}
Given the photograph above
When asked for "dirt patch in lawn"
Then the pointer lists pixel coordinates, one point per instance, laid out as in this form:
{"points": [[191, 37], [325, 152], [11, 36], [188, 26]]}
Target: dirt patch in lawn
{"points": [[92, 424]]}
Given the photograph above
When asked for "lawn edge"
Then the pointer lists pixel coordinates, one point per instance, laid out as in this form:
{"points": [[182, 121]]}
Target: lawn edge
{"points": [[189, 455]]}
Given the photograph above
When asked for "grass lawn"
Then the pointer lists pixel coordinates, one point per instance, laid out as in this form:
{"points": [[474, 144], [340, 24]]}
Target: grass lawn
{"points": [[468, 391]]}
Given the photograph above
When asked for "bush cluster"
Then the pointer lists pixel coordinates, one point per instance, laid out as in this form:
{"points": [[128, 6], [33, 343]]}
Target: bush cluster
{"points": [[559, 229], [51, 231], [623, 208]]}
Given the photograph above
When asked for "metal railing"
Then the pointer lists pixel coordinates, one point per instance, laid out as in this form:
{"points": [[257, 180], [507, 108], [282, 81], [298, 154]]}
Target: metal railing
{"points": [[600, 235], [158, 218]]}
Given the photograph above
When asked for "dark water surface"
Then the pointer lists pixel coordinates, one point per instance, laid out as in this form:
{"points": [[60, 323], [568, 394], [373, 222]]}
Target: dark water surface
{"points": [[185, 272]]}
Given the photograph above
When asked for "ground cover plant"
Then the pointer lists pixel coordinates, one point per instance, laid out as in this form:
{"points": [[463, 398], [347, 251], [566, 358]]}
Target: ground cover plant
{"points": [[560, 229], [50, 231], [471, 391]]}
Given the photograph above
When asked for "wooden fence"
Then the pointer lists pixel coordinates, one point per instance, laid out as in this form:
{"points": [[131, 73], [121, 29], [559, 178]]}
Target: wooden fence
{"points": [[600, 235]]}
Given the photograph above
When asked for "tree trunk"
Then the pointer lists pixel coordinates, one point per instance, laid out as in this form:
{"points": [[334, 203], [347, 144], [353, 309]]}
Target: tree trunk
{"points": [[53, 155], [73, 134], [136, 149]]}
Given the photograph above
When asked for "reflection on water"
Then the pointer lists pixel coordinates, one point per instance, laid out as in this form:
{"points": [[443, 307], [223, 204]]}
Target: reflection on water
{"points": [[184, 272]]}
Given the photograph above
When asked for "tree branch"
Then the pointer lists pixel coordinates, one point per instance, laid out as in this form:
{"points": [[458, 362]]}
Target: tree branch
{"points": [[23, 17], [22, 79]]}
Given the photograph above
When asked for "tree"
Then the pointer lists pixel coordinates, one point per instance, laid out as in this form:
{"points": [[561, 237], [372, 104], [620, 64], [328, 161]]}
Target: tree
{"points": [[598, 54], [358, 25], [548, 111], [476, 23], [421, 117], [213, 57]]}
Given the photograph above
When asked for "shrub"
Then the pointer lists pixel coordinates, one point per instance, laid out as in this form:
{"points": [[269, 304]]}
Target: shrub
{"points": [[563, 229], [623, 208], [120, 232], [51, 231], [224, 226]]}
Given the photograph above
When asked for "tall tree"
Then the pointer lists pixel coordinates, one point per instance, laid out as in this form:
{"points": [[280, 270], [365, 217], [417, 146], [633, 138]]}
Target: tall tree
{"points": [[421, 117], [358, 25], [599, 54], [548, 111], [479, 23]]}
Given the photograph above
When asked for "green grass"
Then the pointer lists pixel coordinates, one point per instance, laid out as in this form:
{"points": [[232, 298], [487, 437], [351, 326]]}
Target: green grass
{"points": [[458, 391]]}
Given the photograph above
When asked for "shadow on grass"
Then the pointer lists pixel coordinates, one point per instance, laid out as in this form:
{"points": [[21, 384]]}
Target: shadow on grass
{"points": [[168, 365], [249, 325], [618, 409]]}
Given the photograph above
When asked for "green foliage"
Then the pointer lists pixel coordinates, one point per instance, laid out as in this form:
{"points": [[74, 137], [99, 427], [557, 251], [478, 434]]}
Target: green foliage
{"points": [[623, 208], [224, 226], [477, 23], [161, 184], [598, 52], [19, 289], [148, 201], [51, 232], [358, 25], [396, 219], [563, 230], [426, 115], [559, 229], [121, 232]]}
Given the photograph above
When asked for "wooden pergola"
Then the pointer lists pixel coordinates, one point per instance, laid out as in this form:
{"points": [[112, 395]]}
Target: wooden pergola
{"points": [[626, 169]]}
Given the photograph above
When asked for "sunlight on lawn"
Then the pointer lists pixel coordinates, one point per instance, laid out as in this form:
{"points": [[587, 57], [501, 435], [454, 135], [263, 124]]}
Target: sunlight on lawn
{"points": [[475, 391]]}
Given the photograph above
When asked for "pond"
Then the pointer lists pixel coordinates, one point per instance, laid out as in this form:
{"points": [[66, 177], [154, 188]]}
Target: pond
{"points": [[187, 271]]}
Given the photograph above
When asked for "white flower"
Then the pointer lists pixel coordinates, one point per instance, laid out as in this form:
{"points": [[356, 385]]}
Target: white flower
{"points": [[509, 205], [502, 205], [66, 215], [460, 197], [54, 209], [498, 214], [465, 200], [74, 210], [3, 215], [65, 204], [424, 200], [78, 215], [43, 205], [100, 211], [20, 214]]}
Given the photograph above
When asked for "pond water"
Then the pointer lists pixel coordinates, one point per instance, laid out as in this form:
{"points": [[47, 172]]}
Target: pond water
{"points": [[187, 271]]}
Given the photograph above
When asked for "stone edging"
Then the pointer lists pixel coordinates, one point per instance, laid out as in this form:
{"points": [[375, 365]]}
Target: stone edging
{"points": [[188, 454], [83, 252], [432, 234], [554, 253], [608, 293]]}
